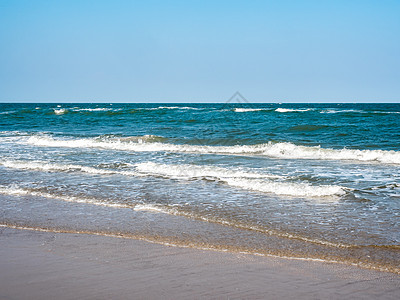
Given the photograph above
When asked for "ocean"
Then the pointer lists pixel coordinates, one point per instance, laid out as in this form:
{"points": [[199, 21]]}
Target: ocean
{"points": [[303, 181]]}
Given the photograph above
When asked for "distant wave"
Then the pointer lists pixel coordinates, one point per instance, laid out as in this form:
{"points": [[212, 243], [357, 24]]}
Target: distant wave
{"points": [[240, 179], [60, 111], [176, 107], [170, 107], [284, 110], [334, 111], [273, 150], [92, 109], [8, 112], [247, 109]]}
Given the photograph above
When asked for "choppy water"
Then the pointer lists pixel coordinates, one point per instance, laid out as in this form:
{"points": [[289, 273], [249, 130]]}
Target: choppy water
{"points": [[317, 181]]}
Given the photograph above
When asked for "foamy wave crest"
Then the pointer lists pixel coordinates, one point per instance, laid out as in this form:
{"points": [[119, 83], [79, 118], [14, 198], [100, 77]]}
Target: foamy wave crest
{"points": [[289, 150], [7, 112], [16, 191], [186, 171], [247, 109], [138, 144], [274, 150], [334, 111], [284, 110], [51, 167], [93, 109], [60, 111], [169, 107], [287, 188], [177, 107], [240, 179]]}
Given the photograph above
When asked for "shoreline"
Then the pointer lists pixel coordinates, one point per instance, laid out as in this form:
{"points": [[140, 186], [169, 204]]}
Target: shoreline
{"points": [[171, 243], [41, 265]]}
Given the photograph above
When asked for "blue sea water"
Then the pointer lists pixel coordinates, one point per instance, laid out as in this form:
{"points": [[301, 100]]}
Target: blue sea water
{"points": [[314, 181]]}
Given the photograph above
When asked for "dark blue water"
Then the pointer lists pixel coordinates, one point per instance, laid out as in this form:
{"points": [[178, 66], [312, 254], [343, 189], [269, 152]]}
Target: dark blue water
{"points": [[306, 180], [358, 126]]}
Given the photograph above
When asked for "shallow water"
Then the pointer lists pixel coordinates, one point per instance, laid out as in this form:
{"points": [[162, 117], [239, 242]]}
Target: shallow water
{"points": [[305, 180]]}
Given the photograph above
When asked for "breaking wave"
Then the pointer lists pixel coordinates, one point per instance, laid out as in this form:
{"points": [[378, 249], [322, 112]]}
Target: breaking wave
{"points": [[53, 167], [282, 150], [284, 110], [60, 111], [247, 109], [241, 179], [92, 109]]}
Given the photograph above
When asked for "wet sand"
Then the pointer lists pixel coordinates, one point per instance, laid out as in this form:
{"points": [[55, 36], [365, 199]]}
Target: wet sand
{"points": [[44, 265]]}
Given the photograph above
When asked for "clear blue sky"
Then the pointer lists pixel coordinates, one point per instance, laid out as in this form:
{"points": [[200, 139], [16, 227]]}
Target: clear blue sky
{"points": [[199, 51]]}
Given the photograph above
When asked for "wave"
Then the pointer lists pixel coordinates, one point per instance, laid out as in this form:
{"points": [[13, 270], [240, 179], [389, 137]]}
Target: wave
{"points": [[60, 111], [247, 109], [17, 191], [8, 112], [282, 150], [92, 109], [185, 171], [53, 167], [176, 107], [333, 111], [284, 110], [170, 107], [260, 182], [241, 179]]}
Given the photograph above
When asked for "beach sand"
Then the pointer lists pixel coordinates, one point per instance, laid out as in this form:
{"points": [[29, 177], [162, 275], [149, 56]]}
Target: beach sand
{"points": [[45, 265]]}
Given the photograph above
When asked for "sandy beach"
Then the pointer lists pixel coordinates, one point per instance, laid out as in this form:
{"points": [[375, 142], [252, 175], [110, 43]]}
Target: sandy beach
{"points": [[44, 265]]}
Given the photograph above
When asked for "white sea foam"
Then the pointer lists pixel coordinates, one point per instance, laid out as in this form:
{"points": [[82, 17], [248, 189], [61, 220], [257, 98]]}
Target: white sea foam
{"points": [[152, 208], [93, 109], [284, 110], [289, 150], [17, 191], [388, 112], [7, 112], [186, 171], [241, 179], [333, 111], [176, 107], [274, 150], [287, 188], [247, 109], [53, 167], [60, 111], [234, 177], [169, 107]]}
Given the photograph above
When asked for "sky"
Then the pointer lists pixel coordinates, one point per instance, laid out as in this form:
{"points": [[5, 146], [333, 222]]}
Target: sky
{"points": [[199, 51]]}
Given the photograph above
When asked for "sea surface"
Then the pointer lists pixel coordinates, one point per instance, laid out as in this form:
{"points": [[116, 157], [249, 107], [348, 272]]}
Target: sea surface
{"points": [[306, 181]]}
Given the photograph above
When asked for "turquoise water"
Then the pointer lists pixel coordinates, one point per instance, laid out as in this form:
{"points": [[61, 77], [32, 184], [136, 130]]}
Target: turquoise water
{"points": [[301, 180]]}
